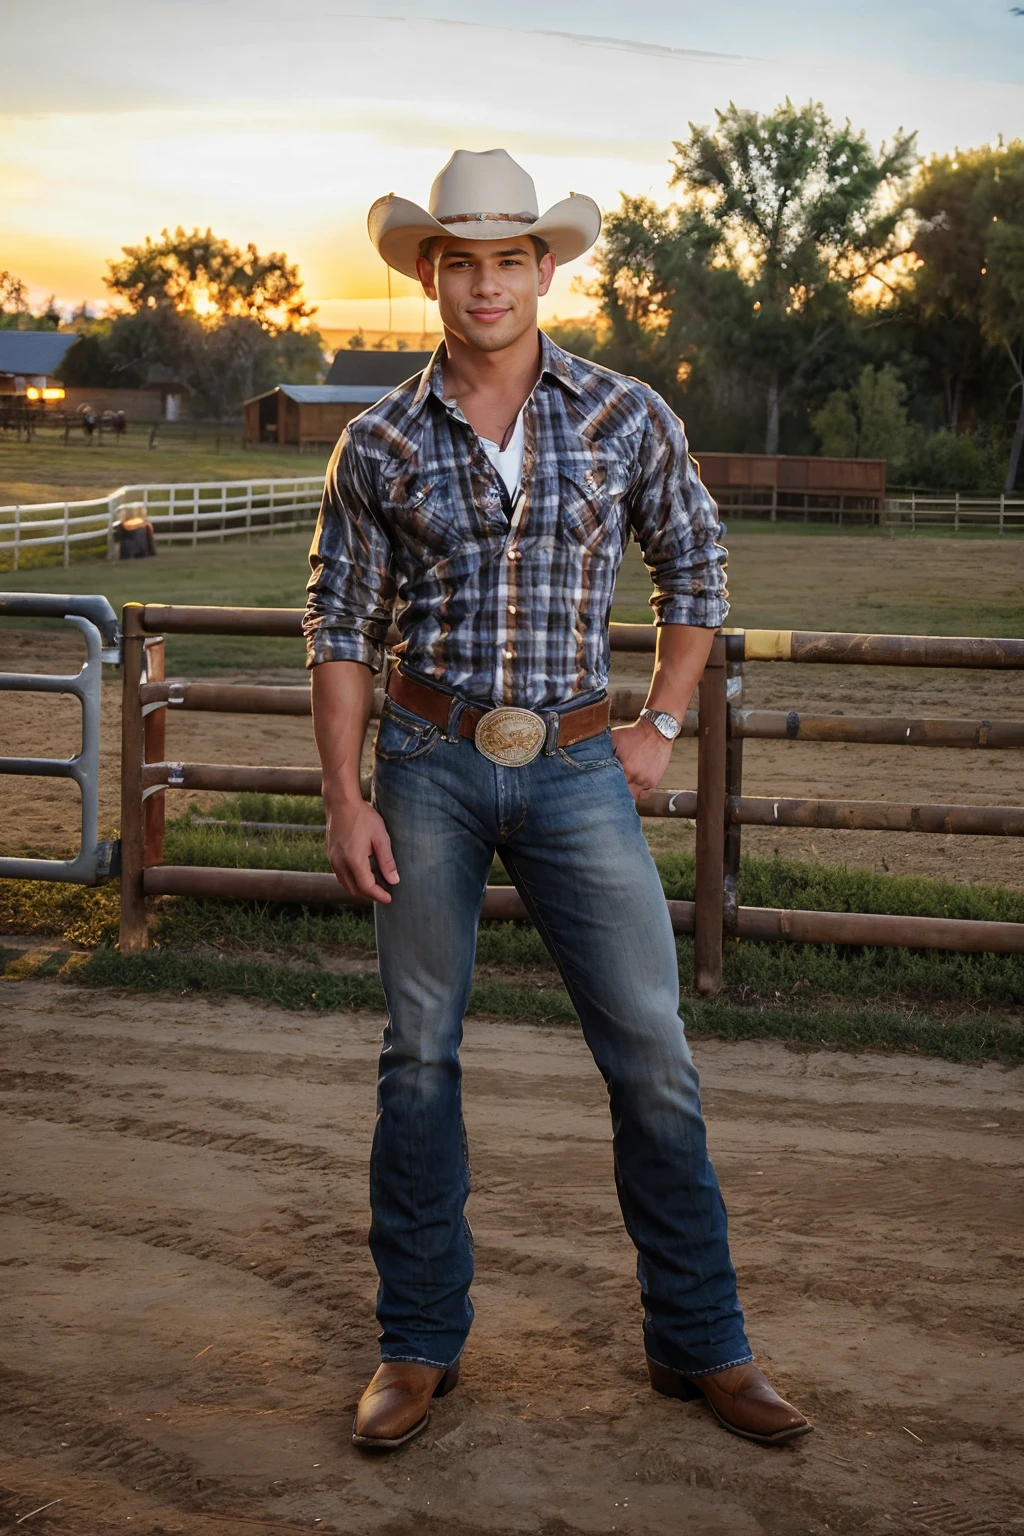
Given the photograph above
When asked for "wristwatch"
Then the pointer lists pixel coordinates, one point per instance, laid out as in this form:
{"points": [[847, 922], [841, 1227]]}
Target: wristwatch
{"points": [[667, 725]]}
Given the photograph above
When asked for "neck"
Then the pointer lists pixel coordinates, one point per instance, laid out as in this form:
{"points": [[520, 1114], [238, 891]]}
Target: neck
{"points": [[512, 372]]}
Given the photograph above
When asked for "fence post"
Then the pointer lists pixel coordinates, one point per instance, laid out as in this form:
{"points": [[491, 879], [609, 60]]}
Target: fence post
{"points": [[133, 933], [67, 539], [733, 790], [709, 893], [154, 737]]}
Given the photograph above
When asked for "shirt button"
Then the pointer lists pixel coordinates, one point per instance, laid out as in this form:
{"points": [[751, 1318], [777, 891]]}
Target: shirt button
{"points": [[511, 607], [509, 655], [513, 554]]}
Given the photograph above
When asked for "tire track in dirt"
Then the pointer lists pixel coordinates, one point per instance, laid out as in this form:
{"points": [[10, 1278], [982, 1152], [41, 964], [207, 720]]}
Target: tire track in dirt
{"points": [[280, 1155], [61, 1411], [300, 1279]]}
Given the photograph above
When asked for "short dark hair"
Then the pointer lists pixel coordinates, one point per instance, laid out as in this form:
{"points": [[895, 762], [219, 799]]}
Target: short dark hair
{"points": [[428, 246]]}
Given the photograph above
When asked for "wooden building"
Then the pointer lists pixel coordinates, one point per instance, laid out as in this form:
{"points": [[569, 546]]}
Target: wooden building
{"points": [[306, 415], [756, 482]]}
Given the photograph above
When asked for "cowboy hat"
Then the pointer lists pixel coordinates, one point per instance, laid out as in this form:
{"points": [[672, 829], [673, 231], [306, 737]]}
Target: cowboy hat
{"points": [[481, 197]]}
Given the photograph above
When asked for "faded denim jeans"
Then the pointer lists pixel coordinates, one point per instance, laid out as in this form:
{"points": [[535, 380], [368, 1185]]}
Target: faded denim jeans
{"points": [[567, 832]]}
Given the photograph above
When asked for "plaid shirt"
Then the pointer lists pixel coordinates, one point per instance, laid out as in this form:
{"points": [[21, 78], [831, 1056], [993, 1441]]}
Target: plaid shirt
{"points": [[509, 605]]}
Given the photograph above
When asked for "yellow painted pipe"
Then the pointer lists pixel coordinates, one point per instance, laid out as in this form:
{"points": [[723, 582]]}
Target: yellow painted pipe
{"points": [[767, 645]]}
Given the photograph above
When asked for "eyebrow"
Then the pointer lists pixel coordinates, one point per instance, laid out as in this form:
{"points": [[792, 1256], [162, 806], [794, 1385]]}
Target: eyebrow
{"points": [[513, 250]]}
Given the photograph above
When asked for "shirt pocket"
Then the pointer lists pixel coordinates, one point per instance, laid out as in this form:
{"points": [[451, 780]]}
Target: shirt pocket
{"points": [[591, 502], [420, 508]]}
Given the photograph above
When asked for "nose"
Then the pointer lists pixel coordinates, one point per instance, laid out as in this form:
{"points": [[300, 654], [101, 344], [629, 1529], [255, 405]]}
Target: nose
{"points": [[487, 280]]}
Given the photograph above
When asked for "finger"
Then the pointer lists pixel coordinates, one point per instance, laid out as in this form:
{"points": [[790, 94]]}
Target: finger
{"points": [[381, 845], [366, 885]]}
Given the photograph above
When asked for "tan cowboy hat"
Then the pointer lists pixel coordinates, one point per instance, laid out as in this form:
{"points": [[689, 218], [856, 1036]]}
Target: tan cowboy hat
{"points": [[481, 197]]}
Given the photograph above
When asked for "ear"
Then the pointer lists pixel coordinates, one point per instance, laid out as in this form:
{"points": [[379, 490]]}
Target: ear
{"points": [[425, 273], [547, 272]]}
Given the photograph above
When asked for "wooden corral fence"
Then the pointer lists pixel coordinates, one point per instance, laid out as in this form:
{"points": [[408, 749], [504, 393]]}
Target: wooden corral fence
{"points": [[718, 804]]}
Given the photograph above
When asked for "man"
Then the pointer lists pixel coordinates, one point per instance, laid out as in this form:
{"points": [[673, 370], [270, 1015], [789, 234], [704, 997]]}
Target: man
{"points": [[487, 505]]}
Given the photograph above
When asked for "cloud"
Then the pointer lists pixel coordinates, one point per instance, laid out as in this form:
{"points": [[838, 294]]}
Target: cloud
{"points": [[583, 39]]}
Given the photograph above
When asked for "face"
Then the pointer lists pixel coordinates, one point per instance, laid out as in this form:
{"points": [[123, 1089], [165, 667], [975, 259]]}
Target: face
{"points": [[487, 290]]}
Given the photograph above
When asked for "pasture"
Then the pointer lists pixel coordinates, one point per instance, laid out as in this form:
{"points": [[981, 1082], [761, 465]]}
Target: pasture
{"points": [[46, 470]]}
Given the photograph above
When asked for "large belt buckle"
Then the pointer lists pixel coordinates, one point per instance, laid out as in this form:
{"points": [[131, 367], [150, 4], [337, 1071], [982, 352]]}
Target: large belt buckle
{"points": [[510, 737]]}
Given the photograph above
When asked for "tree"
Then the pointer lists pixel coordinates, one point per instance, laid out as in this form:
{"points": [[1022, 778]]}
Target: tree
{"points": [[226, 323], [781, 222], [970, 281], [16, 312], [200, 273], [869, 421]]}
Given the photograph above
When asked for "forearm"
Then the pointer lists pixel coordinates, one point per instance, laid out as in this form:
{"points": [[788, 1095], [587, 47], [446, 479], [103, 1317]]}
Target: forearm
{"points": [[342, 699], [681, 655]]}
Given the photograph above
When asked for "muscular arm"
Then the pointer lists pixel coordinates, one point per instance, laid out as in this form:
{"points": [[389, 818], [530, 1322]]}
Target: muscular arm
{"points": [[342, 696], [682, 652]]}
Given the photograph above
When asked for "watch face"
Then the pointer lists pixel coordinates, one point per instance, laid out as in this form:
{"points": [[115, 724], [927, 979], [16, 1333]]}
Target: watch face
{"points": [[667, 724]]}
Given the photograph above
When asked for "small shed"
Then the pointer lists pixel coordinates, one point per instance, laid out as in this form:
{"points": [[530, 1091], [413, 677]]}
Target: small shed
{"points": [[306, 415], [371, 368]]}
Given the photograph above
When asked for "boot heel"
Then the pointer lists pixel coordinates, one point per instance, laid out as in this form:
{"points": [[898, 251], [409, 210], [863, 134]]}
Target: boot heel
{"points": [[448, 1381], [671, 1383]]}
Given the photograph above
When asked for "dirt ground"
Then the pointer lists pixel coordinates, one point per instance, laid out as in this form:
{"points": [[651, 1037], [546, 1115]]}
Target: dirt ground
{"points": [[40, 816], [189, 1300]]}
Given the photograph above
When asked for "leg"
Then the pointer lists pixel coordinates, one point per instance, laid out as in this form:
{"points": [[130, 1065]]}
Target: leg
{"points": [[426, 942], [580, 860]]}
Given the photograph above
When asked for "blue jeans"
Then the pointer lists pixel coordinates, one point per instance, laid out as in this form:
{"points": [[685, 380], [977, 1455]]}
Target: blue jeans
{"points": [[567, 832]]}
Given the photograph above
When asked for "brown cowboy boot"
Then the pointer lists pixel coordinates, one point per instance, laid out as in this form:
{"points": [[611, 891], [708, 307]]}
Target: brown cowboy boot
{"points": [[395, 1407], [741, 1399]]}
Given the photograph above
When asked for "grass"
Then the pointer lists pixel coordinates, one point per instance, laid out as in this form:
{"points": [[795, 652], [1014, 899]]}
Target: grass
{"points": [[46, 470], [810, 979], [325, 991], [922, 586]]}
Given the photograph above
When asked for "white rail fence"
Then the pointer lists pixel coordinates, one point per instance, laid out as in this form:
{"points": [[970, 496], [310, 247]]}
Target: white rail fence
{"points": [[180, 514], [185, 514]]}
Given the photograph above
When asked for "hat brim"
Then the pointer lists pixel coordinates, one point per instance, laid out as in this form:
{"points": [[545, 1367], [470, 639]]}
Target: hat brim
{"points": [[397, 226]]}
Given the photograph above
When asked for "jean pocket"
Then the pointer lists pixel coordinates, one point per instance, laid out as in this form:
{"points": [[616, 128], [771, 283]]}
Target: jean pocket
{"points": [[401, 735], [594, 752]]}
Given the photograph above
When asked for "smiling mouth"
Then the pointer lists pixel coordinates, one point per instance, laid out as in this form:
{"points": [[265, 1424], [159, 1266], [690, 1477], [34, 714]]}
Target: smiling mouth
{"points": [[488, 315]]}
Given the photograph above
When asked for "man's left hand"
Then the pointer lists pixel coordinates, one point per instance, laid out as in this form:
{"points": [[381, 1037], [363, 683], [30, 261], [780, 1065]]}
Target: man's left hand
{"points": [[644, 754]]}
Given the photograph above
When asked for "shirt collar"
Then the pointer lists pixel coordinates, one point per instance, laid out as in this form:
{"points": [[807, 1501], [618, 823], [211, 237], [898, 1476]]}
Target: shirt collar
{"points": [[555, 363]]}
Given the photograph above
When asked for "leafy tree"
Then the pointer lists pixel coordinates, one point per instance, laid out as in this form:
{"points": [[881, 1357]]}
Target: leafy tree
{"points": [[16, 312], [357, 341], [969, 284], [782, 220], [868, 421], [226, 323], [202, 274]]}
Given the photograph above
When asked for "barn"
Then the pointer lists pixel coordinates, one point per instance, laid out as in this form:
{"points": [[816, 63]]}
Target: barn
{"points": [[313, 415], [305, 415]]}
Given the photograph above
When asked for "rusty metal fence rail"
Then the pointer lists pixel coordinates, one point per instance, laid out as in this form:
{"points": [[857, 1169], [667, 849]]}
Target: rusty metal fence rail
{"points": [[718, 805]]}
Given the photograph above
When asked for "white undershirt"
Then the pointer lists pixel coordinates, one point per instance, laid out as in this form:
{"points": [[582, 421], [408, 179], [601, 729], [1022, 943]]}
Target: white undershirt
{"points": [[508, 461]]}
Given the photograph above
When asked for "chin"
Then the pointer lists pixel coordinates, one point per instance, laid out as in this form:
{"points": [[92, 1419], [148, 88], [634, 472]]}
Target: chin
{"points": [[494, 338]]}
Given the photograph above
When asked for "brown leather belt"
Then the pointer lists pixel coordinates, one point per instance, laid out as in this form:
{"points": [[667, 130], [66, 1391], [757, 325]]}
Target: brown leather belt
{"points": [[433, 705]]}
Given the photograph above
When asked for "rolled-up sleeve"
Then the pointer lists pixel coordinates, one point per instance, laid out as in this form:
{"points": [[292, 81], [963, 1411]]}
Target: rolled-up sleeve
{"points": [[676, 524], [351, 588]]}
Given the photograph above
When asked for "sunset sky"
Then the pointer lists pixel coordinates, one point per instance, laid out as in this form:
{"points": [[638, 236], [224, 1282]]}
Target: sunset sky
{"points": [[281, 124]]}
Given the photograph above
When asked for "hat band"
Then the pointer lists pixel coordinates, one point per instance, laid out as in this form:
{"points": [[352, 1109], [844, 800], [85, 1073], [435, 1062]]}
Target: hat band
{"points": [[490, 218]]}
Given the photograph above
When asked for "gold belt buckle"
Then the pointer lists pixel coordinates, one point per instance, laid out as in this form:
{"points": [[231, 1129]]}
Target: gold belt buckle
{"points": [[510, 737]]}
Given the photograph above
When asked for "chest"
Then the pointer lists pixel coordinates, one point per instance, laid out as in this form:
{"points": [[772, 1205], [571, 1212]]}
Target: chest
{"points": [[448, 496]]}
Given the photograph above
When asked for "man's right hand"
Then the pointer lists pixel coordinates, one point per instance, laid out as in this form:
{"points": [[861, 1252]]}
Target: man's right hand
{"points": [[355, 834]]}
